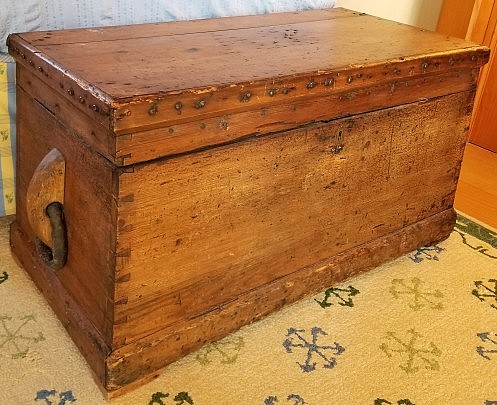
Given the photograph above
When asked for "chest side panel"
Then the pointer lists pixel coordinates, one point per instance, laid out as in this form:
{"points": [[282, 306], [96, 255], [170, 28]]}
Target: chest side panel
{"points": [[201, 229], [89, 212]]}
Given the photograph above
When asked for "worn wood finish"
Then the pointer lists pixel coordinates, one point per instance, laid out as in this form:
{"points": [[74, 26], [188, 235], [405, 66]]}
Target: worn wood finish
{"points": [[179, 79], [247, 218], [186, 61], [176, 139], [93, 132], [87, 338], [140, 360], [218, 170], [89, 207], [45, 187], [117, 33]]}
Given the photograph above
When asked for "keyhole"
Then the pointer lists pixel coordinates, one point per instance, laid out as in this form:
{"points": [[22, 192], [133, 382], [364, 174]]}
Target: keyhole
{"points": [[339, 146]]}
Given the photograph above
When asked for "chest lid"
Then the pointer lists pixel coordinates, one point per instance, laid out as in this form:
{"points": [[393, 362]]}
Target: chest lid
{"points": [[166, 88]]}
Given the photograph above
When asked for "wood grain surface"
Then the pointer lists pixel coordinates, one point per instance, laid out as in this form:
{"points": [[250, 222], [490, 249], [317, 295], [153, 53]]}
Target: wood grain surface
{"points": [[157, 63], [147, 80], [231, 219], [89, 209], [216, 171], [476, 194]]}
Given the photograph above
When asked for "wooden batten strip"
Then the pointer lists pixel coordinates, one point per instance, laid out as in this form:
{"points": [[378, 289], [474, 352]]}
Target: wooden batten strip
{"points": [[154, 111], [180, 138]]}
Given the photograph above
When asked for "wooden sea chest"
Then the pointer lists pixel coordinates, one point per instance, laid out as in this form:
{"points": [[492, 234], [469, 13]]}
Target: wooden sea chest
{"points": [[176, 181]]}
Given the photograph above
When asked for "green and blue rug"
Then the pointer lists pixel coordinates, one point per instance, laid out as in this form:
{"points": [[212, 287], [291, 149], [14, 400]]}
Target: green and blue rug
{"points": [[421, 330]]}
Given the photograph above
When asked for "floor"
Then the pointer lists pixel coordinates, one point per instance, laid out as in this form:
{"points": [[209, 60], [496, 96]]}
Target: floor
{"points": [[476, 193]]}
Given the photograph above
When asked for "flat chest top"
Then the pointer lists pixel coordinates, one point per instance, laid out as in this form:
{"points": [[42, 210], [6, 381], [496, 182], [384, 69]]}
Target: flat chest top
{"points": [[158, 58], [152, 75]]}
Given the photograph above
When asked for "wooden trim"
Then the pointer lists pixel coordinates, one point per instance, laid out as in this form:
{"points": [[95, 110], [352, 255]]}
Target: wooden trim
{"points": [[482, 23], [481, 133], [455, 17], [473, 20], [483, 32], [476, 195], [480, 28]]}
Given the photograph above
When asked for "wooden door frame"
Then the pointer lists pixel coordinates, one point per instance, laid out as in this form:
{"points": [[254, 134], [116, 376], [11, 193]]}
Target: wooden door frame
{"points": [[474, 20]]}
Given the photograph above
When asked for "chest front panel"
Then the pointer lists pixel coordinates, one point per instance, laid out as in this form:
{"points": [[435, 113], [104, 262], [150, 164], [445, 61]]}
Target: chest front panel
{"points": [[203, 228]]}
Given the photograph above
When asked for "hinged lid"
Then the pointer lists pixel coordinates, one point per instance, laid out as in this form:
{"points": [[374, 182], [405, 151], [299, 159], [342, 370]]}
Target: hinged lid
{"points": [[172, 87]]}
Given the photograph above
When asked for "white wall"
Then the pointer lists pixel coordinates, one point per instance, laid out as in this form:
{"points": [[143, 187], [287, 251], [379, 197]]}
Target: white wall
{"points": [[422, 13]]}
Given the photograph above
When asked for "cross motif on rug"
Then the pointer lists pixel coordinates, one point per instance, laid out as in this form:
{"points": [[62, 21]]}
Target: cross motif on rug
{"points": [[416, 353], [12, 335], [296, 340]]}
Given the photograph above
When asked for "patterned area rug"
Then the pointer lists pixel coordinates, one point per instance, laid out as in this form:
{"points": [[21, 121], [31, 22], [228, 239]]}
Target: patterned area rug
{"points": [[419, 330]]}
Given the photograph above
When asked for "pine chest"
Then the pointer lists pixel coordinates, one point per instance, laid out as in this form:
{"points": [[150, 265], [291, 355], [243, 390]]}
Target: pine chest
{"points": [[176, 181]]}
